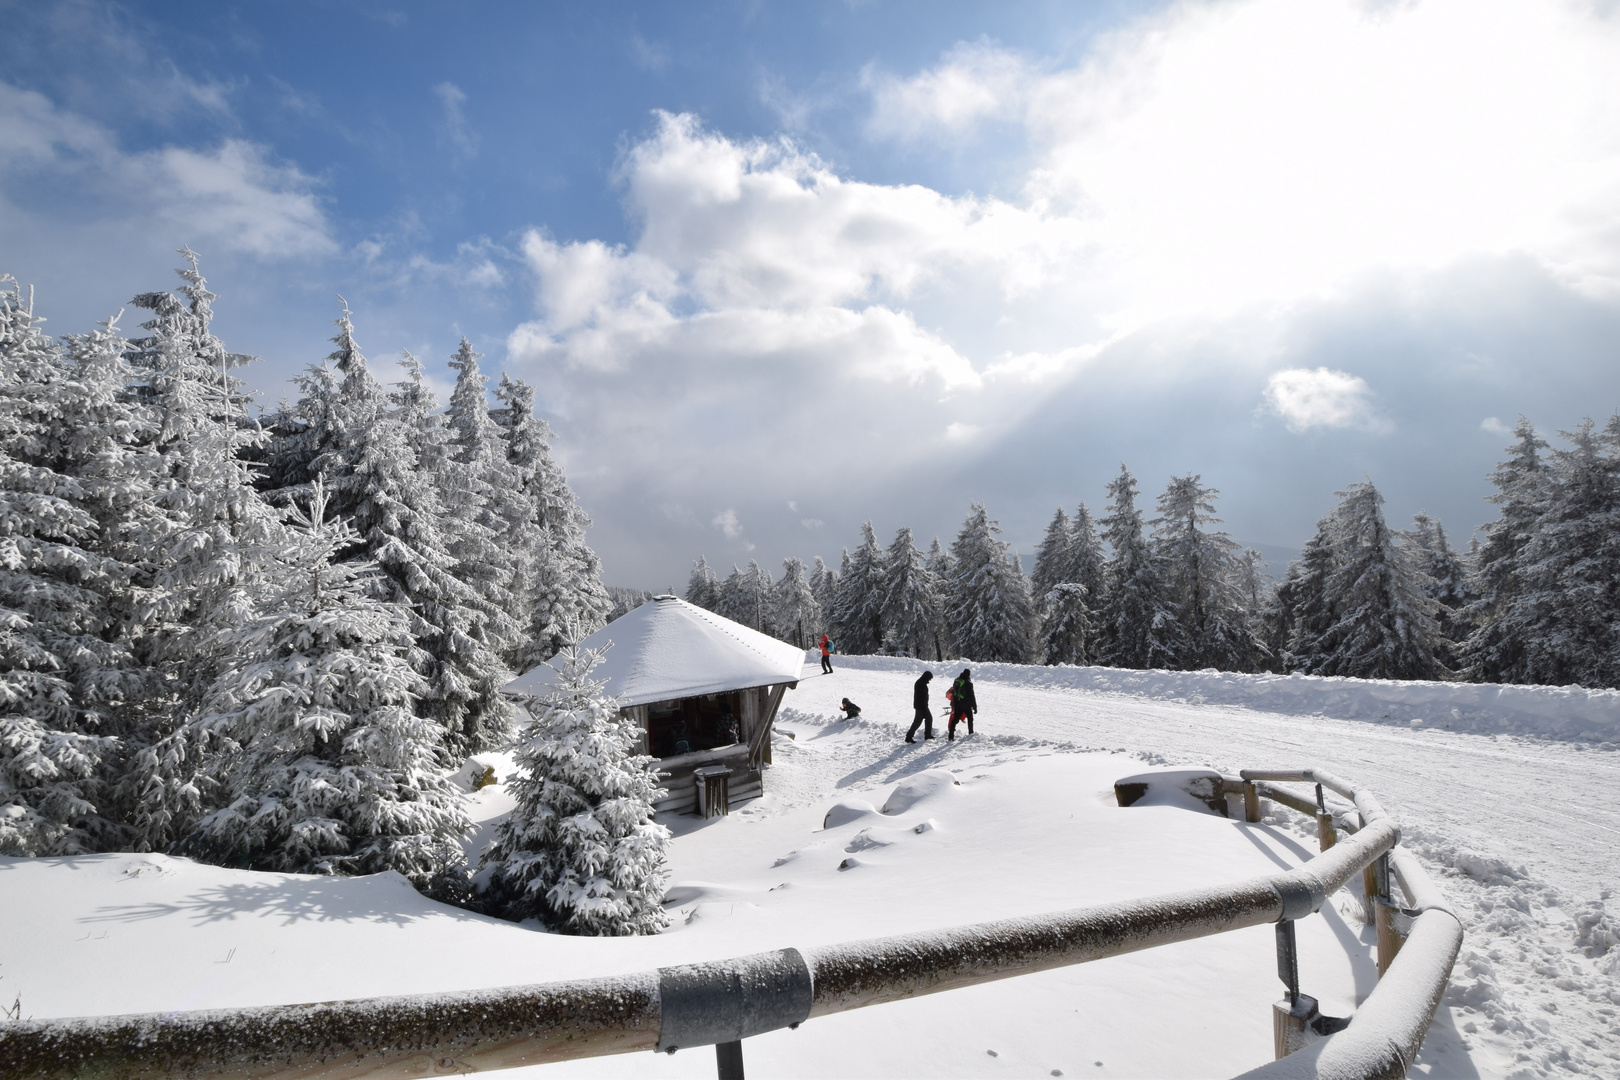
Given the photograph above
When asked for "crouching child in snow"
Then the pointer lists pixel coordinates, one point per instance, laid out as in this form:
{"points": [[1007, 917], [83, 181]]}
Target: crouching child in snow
{"points": [[850, 709]]}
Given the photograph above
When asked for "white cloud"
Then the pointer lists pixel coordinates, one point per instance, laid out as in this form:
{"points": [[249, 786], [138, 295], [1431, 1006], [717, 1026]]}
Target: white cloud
{"points": [[1320, 397], [726, 521], [812, 523], [975, 82], [231, 196], [1494, 426], [451, 99], [1233, 154]]}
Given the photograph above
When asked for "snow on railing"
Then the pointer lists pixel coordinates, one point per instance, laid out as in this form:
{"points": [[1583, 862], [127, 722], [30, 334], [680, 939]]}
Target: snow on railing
{"points": [[723, 1002]]}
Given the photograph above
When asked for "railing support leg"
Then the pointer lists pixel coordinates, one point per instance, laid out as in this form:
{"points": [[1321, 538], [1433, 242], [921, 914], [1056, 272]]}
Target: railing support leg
{"points": [[1389, 936], [1291, 1018], [1326, 835], [1251, 801], [728, 1060]]}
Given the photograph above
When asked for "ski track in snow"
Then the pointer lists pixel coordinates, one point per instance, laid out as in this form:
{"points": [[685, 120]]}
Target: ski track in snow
{"points": [[1521, 832]]}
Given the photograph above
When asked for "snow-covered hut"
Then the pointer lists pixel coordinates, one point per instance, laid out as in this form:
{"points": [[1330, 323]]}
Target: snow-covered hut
{"points": [[704, 690]]}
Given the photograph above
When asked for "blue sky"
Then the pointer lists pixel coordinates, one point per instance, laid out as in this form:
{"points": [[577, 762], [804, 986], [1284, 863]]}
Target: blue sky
{"points": [[779, 268]]}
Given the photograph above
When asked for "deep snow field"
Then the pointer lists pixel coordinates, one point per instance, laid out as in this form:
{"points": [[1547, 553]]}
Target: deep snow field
{"points": [[1519, 829]]}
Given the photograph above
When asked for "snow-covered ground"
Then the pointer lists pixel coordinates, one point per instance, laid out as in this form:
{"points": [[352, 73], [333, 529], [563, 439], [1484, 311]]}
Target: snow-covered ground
{"points": [[1519, 830]]}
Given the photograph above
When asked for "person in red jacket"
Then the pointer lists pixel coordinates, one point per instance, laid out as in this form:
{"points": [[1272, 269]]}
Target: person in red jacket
{"points": [[826, 655], [963, 704]]}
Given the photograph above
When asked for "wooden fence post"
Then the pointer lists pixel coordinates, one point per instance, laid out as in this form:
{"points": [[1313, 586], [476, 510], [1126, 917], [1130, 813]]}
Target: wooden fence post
{"points": [[1251, 801]]}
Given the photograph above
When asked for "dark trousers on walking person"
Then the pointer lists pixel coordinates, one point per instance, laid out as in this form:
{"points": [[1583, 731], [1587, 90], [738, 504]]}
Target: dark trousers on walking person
{"points": [[924, 720], [964, 716], [826, 664]]}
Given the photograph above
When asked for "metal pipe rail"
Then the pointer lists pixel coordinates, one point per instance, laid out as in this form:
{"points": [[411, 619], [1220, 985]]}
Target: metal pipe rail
{"points": [[723, 1002]]}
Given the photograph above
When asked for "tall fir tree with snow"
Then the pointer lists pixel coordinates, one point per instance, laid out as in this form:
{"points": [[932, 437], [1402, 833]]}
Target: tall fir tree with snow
{"points": [[940, 565], [1066, 627], [1447, 584], [1301, 608], [459, 633], [988, 612], [205, 538], [1495, 650], [911, 598], [315, 759], [1561, 618], [1086, 560], [1133, 617], [1053, 558], [68, 486], [824, 583], [581, 851], [729, 597], [795, 611], [1199, 575], [746, 597], [703, 588], [1383, 623], [561, 598], [481, 494], [857, 613]]}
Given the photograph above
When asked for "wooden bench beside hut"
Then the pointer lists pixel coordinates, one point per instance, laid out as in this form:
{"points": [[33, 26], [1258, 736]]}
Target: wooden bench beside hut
{"points": [[704, 690]]}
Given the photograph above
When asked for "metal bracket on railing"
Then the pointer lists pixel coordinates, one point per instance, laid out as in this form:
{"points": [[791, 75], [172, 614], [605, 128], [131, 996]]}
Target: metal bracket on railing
{"points": [[1301, 894], [730, 1000]]}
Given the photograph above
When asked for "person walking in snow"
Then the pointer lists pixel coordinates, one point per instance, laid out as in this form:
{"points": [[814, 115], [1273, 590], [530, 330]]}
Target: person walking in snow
{"points": [[963, 703], [851, 710], [919, 701], [826, 654]]}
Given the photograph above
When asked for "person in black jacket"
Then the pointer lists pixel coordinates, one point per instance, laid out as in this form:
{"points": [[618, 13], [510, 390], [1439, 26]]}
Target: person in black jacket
{"points": [[919, 701], [963, 703]]}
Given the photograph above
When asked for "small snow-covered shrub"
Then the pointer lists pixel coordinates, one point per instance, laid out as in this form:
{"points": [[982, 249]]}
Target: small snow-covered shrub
{"points": [[581, 851]]}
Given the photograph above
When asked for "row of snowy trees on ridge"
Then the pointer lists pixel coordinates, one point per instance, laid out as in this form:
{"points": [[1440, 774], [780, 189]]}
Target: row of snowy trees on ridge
{"points": [[265, 643], [1535, 601]]}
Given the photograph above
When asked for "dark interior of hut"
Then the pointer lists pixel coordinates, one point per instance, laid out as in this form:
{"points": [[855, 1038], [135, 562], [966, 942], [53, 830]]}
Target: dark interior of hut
{"points": [[695, 723]]}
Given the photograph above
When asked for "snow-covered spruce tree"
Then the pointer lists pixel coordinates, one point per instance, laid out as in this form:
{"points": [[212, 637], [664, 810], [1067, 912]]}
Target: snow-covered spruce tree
{"points": [[795, 611], [1448, 584], [1494, 651], [1383, 626], [1569, 568], [1301, 608], [315, 758], [488, 518], [988, 610], [729, 597], [857, 613], [559, 587], [203, 541], [458, 632], [1198, 572], [1134, 622], [911, 597], [824, 583], [581, 851], [1066, 628], [1086, 561], [1053, 557], [940, 565], [746, 596], [703, 588], [66, 674]]}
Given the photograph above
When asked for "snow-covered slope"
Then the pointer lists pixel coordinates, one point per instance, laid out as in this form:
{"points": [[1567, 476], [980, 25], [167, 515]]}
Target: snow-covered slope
{"points": [[1518, 831], [1571, 713]]}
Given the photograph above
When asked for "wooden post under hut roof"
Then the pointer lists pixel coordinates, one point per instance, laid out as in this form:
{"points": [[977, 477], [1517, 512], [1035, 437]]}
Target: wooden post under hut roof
{"points": [[703, 689]]}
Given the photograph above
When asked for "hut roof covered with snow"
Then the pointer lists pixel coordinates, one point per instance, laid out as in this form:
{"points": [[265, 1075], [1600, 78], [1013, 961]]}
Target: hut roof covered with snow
{"points": [[667, 649]]}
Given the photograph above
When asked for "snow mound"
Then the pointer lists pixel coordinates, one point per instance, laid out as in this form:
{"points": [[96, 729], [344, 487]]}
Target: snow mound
{"points": [[925, 785], [875, 837], [842, 813], [1566, 713]]}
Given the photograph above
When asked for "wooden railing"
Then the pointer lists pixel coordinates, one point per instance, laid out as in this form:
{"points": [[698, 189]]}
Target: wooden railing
{"points": [[724, 1002]]}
